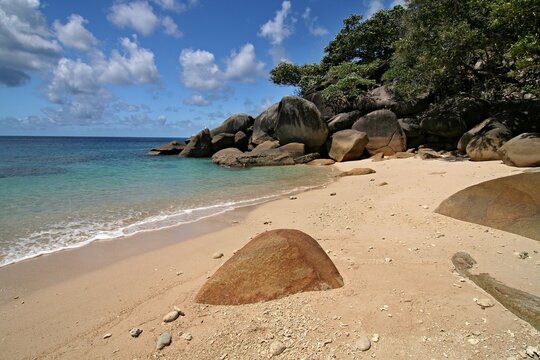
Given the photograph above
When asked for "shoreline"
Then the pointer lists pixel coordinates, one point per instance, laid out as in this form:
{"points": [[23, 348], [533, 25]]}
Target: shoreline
{"points": [[359, 227]]}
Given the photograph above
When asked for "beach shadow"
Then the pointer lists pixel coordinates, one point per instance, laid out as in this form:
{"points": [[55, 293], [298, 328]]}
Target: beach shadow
{"points": [[524, 305]]}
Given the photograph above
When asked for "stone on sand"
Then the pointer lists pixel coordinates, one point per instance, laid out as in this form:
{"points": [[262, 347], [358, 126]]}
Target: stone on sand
{"points": [[274, 264], [362, 343], [276, 348], [357, 171], [135, 332], [163, 340]]}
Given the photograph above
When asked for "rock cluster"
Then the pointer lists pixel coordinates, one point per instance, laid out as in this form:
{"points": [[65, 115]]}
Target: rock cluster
{"points": [[299, 130]]}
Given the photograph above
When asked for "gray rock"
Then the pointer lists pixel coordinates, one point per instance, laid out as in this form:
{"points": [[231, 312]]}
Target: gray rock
{"points": [[265, 145], [222, 141], [241, 140], [452, 117], [316, 97], [200, 145], [299, 120], [522, 150], [362, 343], [276, 348], [264, 125], [163, 340], [346, 145], [384, 133], [260, 156], [343, 121], [135, 332], [233, 124], [172, 148]]}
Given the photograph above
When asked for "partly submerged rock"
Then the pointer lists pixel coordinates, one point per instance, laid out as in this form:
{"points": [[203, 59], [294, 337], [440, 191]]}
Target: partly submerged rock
{"points": [[171, 148], [357, 171], [200, 145], [274, 264]]}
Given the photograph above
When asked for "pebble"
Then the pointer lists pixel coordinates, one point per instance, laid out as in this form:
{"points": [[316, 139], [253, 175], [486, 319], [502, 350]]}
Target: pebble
{"points": [[187, 336], [473, 341], [523, 255], [276, 348], [171, 316], [484, 303], [217, 255], [382, 183], [163, 340], [388, 260], [135, 332], [362, 343], [107, 335], [293, 197], [332, 194], [375, 338]]}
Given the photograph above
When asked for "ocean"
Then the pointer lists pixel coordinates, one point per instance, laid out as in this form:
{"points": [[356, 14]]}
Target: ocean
{"points": [[64, 192]]}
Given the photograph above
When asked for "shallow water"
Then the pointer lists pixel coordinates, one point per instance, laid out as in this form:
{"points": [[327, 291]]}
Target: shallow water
{"points": [[61, 192]]}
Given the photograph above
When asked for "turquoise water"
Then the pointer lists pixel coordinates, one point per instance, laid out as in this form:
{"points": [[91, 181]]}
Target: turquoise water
{"points": [[59, 193]]}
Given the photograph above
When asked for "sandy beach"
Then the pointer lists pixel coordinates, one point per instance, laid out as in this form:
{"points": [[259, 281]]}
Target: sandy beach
{"points": [[393, 252]]}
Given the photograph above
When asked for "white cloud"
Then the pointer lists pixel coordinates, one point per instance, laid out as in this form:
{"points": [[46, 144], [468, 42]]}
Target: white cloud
{"points": [[70, 78], [197, 100], [200, 70], [396, 3], [26, 43], [135, 67], [137, 15], [171, 5], [243, 66], [74, 34], [170, 27], [311, 24], [277, 29]]}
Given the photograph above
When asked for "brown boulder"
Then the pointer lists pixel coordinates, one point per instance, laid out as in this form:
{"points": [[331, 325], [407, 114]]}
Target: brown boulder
{"points": [[172, 148], [383, 130], [510, 203], [200, 145], [234, 124], [521, 151], [322, 162], [222, 141], [264, 125], [274, 264], [347, 145]]}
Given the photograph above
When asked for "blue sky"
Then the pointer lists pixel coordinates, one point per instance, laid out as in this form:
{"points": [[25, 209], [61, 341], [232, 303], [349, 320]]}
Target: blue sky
{"points": [[153, 67]]}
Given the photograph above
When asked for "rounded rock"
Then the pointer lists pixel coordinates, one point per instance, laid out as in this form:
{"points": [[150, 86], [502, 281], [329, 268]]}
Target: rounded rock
{"points": [[135, 332], [163, 340], [362, 343], [276, 348], [171, 316], [217, 255]]}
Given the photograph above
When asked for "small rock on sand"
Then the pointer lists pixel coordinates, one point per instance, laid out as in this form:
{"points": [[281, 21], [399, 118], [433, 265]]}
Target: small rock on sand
{"points": [[187, 336], [135, 332], [171, 316], [333, 194], [484, 303], [217, 255], [276, 348], [163, 340], [362, 343], [107, 335]]}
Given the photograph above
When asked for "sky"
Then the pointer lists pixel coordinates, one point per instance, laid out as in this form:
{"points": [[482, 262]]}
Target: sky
{"points": [[163, 68]]}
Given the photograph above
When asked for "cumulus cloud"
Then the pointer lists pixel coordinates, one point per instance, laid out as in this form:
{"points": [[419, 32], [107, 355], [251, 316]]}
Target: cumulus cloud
{"points": [[71, 78], [278, 54], [243, 65], [311, 24], [26, 44], [277, 29], [137, 15], [373, 7], [196, 100], [137, 66], [171, 5], [74, 34], [170, 27], [200, 70]]}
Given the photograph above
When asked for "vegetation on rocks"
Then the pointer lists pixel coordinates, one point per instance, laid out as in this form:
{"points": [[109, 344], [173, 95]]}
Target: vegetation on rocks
{"points": [[488, 49]]}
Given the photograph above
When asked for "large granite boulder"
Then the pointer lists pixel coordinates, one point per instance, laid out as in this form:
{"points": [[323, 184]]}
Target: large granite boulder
{"points": [[483, 141], [274, 264], [510, 203], [384, 98], [343, 121], [264, 125], [346, 145], [316, 97], [384, 133], [452, 117], [299, 120], [234, 124], [172, 148], [266, 145], [200, 145], [222, 141], [522, 150]]}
